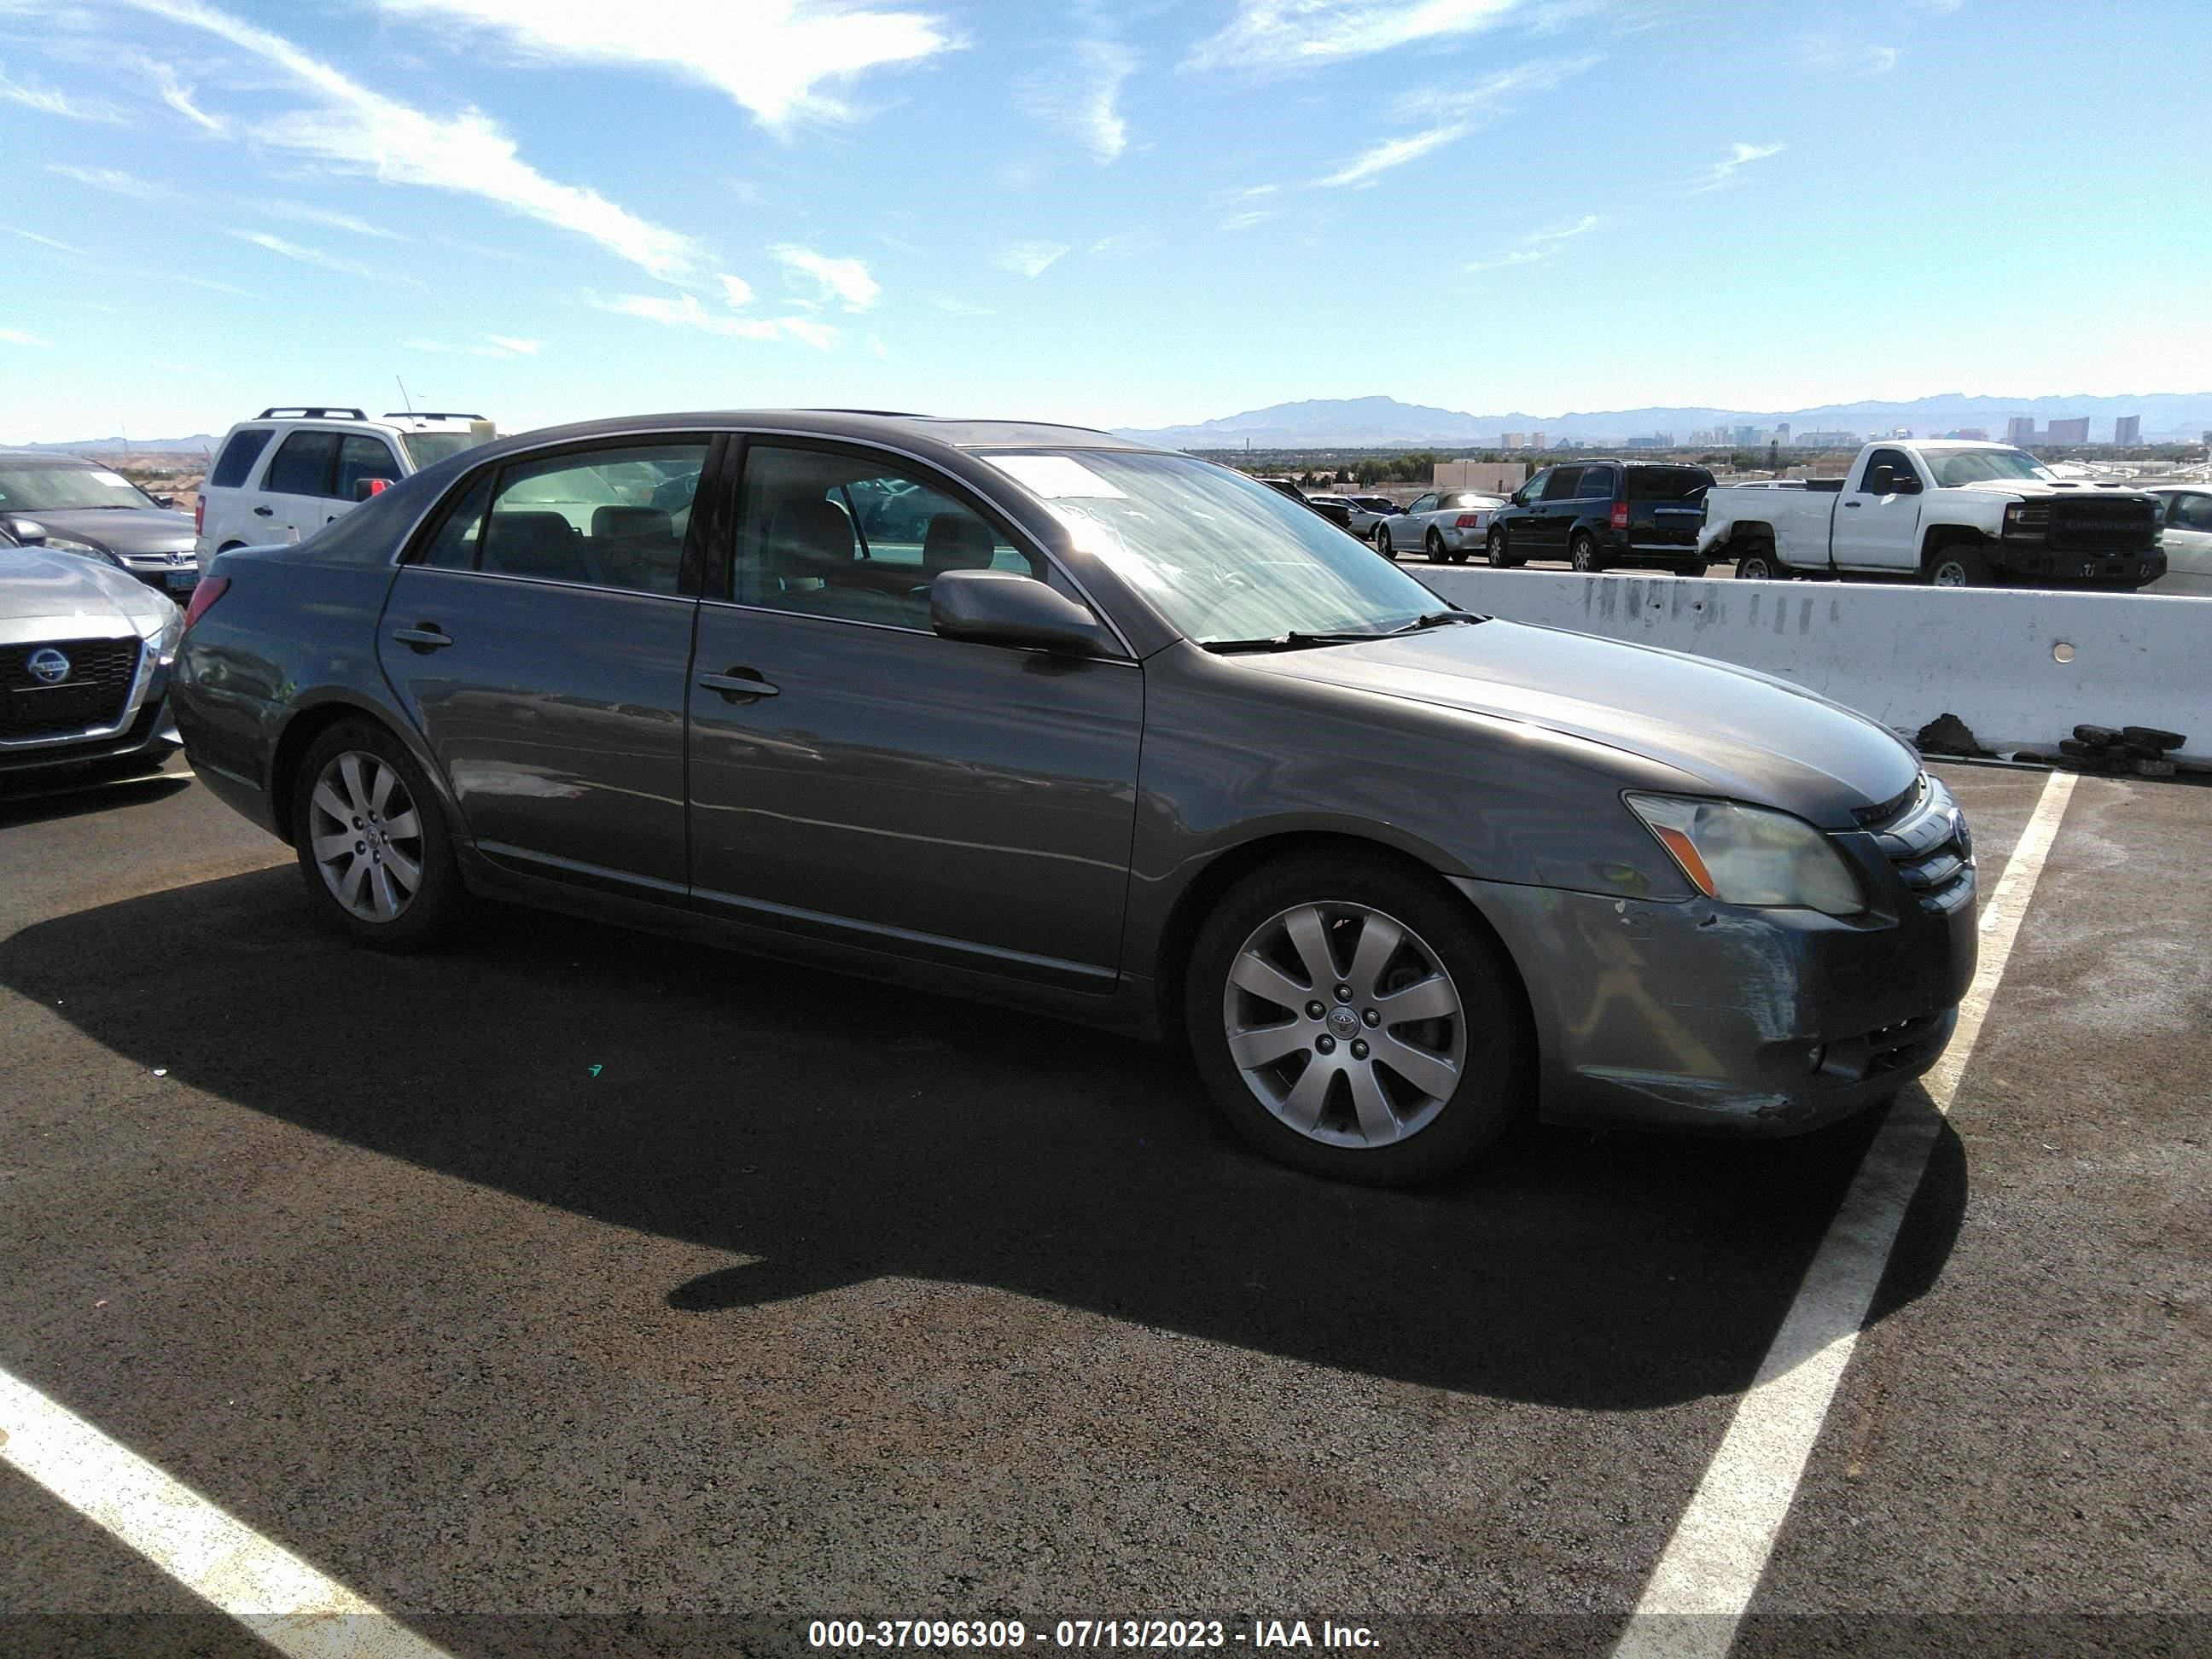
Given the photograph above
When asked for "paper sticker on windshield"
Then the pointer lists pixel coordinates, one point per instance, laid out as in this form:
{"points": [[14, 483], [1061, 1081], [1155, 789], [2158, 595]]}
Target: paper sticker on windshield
{"points": [[116, 479], [1056, 478]]}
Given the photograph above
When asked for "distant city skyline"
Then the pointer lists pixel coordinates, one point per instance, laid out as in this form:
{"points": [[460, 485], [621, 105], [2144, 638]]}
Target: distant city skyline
{"points": [[1131, 216]]}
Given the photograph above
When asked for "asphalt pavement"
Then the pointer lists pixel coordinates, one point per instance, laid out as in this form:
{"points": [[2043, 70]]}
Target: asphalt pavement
{"points": [[578, 1291]]}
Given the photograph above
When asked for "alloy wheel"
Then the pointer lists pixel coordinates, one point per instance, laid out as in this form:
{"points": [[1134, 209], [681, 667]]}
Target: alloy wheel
{"points": [[1345, 1025], [1950, 572], [367, 835]]}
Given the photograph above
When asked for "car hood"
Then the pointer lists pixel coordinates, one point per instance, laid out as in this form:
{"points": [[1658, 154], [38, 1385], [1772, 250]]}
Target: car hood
{"points": [[47, 595], [121, 530], [1730, 731], [2042, 489]]}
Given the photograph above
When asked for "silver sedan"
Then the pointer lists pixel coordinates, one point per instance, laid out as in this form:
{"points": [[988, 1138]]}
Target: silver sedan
{"points": [[1447, 525]]}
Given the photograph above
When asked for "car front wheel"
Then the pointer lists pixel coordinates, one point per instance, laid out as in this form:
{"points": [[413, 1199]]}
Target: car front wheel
{"points": [[1383, 542], [1496, 550], [372, 842], [1352, 1018]]}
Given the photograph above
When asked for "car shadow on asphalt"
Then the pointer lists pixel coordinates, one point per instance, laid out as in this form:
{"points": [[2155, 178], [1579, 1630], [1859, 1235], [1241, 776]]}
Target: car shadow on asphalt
{"points": [[28, 799], [834, 1131]]}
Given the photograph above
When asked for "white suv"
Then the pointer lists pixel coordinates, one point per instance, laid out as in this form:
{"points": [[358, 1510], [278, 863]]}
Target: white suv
{"points": [[285, 474]]}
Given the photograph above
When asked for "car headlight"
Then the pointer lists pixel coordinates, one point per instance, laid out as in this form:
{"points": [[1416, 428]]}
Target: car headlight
{"points": [[163, 633], [1748, 856], [2028, 518], [72, 545]]}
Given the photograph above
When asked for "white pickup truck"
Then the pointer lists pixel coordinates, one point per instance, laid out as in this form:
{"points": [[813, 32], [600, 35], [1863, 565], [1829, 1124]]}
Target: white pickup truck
{"points": [[1949, 512]]}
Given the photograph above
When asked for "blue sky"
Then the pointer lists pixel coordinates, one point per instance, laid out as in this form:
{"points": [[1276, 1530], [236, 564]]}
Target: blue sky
{"points": [[1124, 213]]}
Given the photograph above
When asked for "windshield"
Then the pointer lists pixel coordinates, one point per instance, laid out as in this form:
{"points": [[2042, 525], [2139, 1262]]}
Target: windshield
{"points": [[1221, 557], [1953, 467], [57, 487], [428, 448]]}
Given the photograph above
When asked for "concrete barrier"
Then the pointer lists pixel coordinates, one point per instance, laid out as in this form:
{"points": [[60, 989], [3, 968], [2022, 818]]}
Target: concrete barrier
{"points": [[2021, 668]]}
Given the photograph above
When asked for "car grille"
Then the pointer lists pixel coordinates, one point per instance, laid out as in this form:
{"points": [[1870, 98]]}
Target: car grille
{"points": [[2103, 523], [99, 682], [1924, 836]]}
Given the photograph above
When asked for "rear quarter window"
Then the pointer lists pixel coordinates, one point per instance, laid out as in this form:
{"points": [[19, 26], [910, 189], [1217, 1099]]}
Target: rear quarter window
{"points": [[1667, 483], [238, 457]]}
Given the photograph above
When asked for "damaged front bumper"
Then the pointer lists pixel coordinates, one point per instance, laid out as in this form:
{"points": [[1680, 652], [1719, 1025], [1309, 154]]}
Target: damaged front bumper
{"points": [[1695, 1015]]}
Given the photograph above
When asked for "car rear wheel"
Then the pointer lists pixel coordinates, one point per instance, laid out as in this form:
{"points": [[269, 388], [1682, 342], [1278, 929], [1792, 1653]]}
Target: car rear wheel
{"points": [[1435, 549], [372, 842], [1352, 1018], [1759, 564], [1583, 554]]}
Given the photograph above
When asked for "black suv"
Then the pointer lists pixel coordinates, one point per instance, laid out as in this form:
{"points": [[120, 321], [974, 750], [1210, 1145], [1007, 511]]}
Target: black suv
{"points": [[1595, 514]]}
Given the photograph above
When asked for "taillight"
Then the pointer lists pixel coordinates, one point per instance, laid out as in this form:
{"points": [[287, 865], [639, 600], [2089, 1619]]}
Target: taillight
{"points": [[208, 590], [1621, 515], [199, 515], [1468, 521]]}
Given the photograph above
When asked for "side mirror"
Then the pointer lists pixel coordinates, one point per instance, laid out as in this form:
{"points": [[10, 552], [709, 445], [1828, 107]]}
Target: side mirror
{"points": [[169, 502], [364, 488], [1004, 607], [1882, 481], [29, 532]]}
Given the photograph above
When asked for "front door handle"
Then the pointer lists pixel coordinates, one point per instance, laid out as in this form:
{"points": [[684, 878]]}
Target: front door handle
{"points": [[264, 511], [738, 685], [426, 638], [1854, 506]]}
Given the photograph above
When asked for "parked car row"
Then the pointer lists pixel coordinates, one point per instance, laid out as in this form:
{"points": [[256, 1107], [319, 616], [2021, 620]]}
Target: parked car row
{"points": [[72, 505]]}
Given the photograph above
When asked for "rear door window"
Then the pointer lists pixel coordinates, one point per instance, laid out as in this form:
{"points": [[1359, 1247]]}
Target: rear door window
{"points": [[615, 517], [1565, 484], [237, 458], [303, 464], [1667, 483], [362, 457]]}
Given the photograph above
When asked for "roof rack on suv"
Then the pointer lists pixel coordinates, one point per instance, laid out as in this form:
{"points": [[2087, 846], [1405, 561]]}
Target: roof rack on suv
{"points": [[289, 411], [427, 415]]}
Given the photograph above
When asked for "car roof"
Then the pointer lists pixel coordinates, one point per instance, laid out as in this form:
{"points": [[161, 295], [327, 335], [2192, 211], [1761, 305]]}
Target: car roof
{"points": [[51, 457], [860, 425]]}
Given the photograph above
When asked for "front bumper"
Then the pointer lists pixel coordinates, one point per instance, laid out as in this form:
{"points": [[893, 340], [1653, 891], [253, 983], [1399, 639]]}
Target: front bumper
{"points": [[1701, 1016], [151, 737], [2127, 569]]}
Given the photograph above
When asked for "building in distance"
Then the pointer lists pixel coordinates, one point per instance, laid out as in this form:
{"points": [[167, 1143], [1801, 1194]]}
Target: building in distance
{"points": [[2127, 430]]}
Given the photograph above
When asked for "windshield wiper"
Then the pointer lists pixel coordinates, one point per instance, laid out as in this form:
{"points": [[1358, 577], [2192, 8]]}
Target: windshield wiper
{"points": [[1295, 639]]}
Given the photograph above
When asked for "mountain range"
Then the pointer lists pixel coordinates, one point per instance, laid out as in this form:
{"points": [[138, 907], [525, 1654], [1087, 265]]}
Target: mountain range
{"points": [[1384, 422]]}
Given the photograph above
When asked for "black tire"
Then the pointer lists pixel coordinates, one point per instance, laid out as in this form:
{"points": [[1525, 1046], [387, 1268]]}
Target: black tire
{"points": [[1758, 564], [1435, 549], [1498, 550], [1695, 568], [431, 911], [1383, 542], [1957, 565], [1496, 1075], [1583, 554]]}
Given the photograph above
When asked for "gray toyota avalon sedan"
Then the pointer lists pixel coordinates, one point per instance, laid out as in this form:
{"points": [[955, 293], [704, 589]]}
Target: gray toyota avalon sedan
{"points": [[1033, 714]]}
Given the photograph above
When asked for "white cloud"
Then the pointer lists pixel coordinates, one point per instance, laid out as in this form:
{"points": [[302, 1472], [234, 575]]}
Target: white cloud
{"points": [[1739, 156], [952, 306], [1824, 56], [843, 279], [1453, 112], [306, 256], [736, 289], [49, 102], [1286, 33], [769, 56], [46, 241], [111, 179], [299, 213], [1366, 166], [357, 130], [494, 345], [15, 337], [1250, 217], [179, 98], [684, 311], [1539, 245], [1081, 97], [1029, 259]]}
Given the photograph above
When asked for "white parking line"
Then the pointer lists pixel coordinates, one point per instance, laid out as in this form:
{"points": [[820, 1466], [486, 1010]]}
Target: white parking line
{"points": [[1704, 1579], [273, 1593]]}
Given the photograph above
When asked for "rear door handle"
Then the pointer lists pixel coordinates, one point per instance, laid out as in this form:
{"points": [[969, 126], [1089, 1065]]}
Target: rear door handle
{"points": [[738, 685], [426, 638], [264, 511]]}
